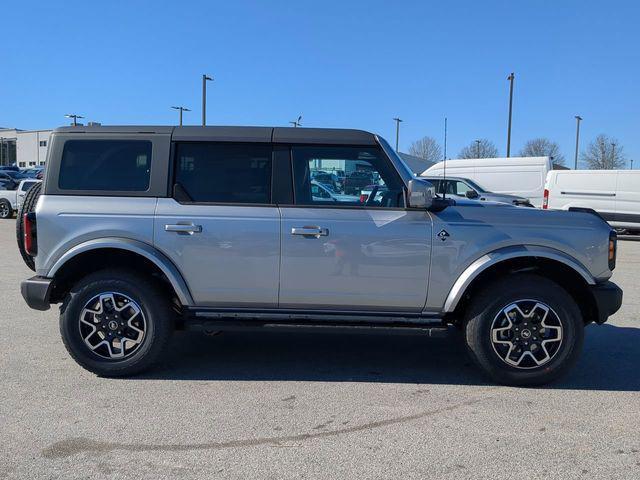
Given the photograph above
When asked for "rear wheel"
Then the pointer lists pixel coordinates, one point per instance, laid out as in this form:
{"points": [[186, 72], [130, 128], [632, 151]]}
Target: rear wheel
{"points": [[28, 206], [5, 208], [116, 323], [524, 330]]}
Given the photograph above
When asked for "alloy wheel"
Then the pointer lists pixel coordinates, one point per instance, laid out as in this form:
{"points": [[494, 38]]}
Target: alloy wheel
{"points": [[526, 334], [112, 325]]}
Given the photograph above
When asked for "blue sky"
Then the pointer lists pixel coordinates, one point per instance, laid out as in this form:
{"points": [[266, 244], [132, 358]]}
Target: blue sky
{"points": [[339, 63]]}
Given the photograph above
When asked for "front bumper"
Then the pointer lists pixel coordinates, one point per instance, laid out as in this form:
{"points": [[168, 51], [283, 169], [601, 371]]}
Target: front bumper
{"points": [[608, 298], [36, 292]]}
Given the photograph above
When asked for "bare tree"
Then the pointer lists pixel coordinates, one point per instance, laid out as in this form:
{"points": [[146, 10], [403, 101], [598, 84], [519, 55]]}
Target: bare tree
{"points": [[543, 147], [481, 148], [426, 148], [604, 153]]}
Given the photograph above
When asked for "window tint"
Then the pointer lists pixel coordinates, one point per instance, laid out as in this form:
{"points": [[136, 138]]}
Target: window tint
{"points": [[110, 165], [224, 173], [348, 176]]}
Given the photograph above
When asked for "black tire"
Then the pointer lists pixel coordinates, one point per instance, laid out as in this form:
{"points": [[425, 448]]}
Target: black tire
{"points": [[157, 314], [6, 211], [28, 206], [490, 302]]}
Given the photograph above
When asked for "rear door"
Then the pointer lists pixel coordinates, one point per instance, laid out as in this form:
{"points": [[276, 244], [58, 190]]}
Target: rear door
{"points": [[345, 254], [220, 228]]}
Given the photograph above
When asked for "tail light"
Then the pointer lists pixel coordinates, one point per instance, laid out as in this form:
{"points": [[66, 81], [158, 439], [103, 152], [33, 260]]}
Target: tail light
{"points": [[29, 232], [613, 247], [363, 197], [545, 200]]}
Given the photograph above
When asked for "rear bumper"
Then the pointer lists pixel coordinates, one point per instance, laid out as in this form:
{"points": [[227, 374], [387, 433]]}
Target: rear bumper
{"points": [[608, 298], [36, 292]]}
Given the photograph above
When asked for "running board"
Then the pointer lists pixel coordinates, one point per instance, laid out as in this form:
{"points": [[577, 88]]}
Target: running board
{"points": [[335, 322]]}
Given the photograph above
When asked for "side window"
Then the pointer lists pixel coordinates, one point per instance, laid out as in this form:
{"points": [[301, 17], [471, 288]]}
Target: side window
{"points": [[224, 173], [347, 176], [111, 165], [462, 188]]}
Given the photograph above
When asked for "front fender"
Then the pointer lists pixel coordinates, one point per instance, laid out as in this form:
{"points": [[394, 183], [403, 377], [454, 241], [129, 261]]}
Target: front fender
{"points": [[147, 251], [508, 253]]}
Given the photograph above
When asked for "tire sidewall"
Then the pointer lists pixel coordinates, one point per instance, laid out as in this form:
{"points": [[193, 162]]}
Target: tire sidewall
{"points": [[7, 211], [70, 325], [544, 291]]}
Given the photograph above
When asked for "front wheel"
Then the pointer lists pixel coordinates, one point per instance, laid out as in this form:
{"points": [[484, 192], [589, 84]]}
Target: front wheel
{"points": [[524, 330], [6, 211], [116, 323]]}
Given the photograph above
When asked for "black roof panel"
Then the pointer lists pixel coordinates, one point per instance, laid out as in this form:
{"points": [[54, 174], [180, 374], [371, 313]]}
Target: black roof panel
{"points": [[334, 136]]}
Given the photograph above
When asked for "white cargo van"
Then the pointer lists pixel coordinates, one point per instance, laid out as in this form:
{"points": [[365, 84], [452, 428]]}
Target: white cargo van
{"points": [[520, 176], [614, 194]]}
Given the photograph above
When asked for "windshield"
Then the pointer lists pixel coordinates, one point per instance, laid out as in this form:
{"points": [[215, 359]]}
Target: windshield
{"points": [[475, 186]]}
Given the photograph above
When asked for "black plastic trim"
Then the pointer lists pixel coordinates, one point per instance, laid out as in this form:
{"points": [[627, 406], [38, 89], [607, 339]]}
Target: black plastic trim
{"points": [[36, 291], [608, 298]]}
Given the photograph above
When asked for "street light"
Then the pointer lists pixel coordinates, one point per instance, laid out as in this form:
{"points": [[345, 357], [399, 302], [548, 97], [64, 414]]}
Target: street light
{"points": [[296, 123], [613, 153], [181, 109], [205, 78], [510, 78], [397, 120], [478, 148], [75, 118], [578, 120]]}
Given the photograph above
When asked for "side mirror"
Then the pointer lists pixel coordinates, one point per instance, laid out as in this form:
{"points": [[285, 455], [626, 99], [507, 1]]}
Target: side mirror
{"points": [[472, 194], [421, 193]]}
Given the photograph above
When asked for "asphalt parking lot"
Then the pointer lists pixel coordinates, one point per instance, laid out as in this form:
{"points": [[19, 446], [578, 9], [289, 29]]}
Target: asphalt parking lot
{"points": [[277, 405]]}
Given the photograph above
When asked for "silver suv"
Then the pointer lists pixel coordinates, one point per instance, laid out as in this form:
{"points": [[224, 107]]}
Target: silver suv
{"points": [[142, 230]]}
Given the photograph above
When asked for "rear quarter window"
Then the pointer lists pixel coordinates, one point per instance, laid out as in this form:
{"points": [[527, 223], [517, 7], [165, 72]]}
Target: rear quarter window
{"points": [[108, 165]]}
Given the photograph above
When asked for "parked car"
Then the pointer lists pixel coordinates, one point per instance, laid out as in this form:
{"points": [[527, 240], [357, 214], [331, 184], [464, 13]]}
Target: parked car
{"points": [[11, 198], [13, 168], [614, 194], [523, 177], [328, 179], [322, 192], [463, 187], [356, 181], [12, 178], [32, 172], [142, 234]]}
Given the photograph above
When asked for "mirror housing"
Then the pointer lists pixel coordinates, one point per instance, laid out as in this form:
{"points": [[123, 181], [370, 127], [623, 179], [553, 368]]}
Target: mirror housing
{"points": [[472, 194], [421, 193]]}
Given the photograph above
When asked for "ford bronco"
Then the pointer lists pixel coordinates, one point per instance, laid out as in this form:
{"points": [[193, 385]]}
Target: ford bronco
{"points": [[138, 231]]}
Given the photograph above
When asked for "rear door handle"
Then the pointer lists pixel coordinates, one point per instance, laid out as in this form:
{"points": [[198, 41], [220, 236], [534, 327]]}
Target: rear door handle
{"points": [[189, 229], [316, 232]]}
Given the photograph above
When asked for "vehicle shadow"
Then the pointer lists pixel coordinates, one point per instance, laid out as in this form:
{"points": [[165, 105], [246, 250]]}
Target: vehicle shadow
{"points": [[609, 360]]}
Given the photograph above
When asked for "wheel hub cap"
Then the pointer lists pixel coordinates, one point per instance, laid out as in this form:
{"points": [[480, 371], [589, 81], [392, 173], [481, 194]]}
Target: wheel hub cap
{"points": [[112, 325], [526, 334]]}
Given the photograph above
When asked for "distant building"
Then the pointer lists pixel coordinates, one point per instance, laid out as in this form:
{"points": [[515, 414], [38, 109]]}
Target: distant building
{"points": [[24, 148]]}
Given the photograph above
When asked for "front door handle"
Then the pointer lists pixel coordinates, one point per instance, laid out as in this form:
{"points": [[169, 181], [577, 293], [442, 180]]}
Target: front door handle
{"points": [[188, 229], [316, 232]]}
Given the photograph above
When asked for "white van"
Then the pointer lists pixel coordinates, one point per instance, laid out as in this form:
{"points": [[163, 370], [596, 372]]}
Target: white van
{"points": [[614, 194], [520, 176]]}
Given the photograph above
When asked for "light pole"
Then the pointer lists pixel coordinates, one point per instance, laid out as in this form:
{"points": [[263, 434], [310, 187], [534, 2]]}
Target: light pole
{"points": [[75, 118], [578, 120], [397, 120], [613, 153], [181, 109], [205, 78], [510, 78], [297, 123], [477, 148]]}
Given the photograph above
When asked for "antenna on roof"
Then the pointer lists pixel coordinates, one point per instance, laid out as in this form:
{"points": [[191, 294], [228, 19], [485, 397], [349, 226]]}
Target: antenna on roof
{"points": [[444, 162]]}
